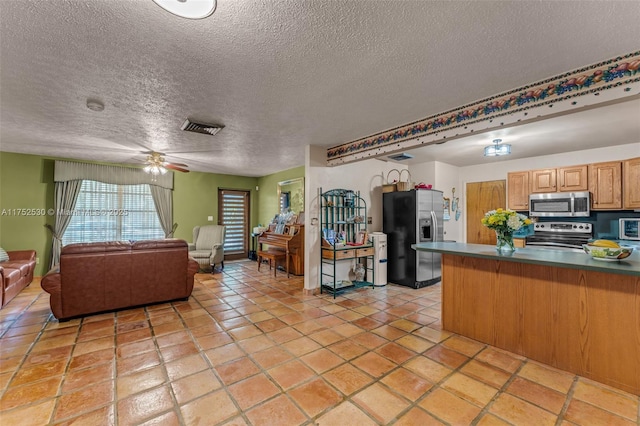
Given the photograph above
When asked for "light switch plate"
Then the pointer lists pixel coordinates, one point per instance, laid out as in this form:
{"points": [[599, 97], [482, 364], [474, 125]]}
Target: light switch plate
{"points": [[210, 218]]}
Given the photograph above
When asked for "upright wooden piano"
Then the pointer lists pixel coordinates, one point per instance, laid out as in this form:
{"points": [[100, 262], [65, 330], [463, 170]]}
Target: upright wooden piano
{"points": [[290, 241]]}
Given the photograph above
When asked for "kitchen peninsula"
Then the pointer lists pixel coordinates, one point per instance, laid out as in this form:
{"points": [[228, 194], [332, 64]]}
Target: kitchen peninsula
{"points": [[561, 308]]}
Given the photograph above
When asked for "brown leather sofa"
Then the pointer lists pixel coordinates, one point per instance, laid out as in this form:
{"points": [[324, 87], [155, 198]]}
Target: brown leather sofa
{"points": [[16, 273], [107, 276]]}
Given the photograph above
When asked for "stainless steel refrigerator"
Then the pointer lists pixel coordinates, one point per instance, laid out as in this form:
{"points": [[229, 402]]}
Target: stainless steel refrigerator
{"points": [[410, 217]]}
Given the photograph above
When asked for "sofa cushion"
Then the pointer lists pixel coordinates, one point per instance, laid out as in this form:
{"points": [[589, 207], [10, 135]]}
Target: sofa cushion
{"points": [[3, 255], [11, 277], [200, 253], [17, 273], [101, 247], [159, 244], [23, 267]]}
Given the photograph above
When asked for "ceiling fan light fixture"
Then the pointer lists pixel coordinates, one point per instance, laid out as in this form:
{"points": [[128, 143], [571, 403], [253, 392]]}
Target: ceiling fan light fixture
{"points": [[154, 170], [497, 149], [155, 165], [190, 9]]}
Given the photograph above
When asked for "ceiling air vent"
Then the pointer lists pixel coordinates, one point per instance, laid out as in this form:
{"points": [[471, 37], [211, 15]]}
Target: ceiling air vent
{"points": [[205, 129], [401, 157]]}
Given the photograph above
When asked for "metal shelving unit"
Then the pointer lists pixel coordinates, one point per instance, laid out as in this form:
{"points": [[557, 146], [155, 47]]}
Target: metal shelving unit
{"points": [[343, 225]]}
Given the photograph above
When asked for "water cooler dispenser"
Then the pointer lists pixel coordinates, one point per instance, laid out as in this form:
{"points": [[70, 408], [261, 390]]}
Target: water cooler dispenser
{"points": [[379, 241]]}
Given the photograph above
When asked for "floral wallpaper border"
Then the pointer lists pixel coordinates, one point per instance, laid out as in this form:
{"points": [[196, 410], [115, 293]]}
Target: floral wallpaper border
{"points": [[602, 76]]}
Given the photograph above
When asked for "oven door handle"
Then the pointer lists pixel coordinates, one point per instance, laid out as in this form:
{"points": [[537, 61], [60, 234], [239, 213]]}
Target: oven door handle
{"points": [[552, 244], [573, 204]]}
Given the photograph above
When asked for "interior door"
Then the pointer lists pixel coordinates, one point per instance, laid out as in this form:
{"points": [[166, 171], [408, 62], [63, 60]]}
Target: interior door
{"points": [[482, 197]]}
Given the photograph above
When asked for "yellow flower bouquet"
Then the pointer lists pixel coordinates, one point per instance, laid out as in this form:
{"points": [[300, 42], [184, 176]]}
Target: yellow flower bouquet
{"points": [[505, 222]]}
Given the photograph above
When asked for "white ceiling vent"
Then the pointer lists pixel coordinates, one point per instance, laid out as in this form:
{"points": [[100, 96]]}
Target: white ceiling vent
{"points": [[401, 157], [206, 129]]}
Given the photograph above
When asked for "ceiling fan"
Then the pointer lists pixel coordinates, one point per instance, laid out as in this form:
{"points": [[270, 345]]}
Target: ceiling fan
{"points": [[156, 165]]}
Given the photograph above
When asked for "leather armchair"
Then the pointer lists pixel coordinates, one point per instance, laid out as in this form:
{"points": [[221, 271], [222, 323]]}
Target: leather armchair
{"points": [[208, 246]]}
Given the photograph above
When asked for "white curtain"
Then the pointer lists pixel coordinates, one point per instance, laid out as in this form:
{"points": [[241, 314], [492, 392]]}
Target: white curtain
{"points": [[68, 177], [66, 196], [163, 199], [69, 170]]}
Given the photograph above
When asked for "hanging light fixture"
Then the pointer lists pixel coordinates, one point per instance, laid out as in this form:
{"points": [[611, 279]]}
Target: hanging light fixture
{"points": [[155, 170], [155, 165], [190, 9], [497, 149]]}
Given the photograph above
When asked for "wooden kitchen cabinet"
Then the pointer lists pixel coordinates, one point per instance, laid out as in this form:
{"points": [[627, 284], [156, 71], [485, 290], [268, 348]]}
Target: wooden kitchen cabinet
{"points": [[605, 185], [573, 179], [518, 190], [614, 185], [543, 180], [631, 183]]}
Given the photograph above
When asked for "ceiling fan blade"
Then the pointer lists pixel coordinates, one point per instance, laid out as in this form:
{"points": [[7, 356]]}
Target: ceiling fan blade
{"points": [[176, 168], [176, 164]]}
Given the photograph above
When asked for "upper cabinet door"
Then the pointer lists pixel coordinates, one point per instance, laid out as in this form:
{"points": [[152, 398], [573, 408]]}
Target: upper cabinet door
{"points": [[605, 185], [572, 178], [543, 180], [518, 190], [631, 171]]}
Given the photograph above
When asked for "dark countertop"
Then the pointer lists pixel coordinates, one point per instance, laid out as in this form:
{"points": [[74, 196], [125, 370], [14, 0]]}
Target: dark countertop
{"points": [[536, 256]]}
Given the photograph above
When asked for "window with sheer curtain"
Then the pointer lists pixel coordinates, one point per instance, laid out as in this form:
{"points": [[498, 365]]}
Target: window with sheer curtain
{"points": [[110, 212]]}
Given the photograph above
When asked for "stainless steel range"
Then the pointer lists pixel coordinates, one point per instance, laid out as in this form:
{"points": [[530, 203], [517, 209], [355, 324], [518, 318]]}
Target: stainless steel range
{"points": [[560, 235]]}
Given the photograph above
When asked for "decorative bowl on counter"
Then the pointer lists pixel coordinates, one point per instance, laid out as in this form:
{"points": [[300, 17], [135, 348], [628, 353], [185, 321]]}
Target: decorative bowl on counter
{"points": [[611, 254]]}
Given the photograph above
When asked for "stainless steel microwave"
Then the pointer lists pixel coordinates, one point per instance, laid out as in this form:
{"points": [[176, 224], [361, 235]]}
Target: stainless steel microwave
{"points": [[560, 204], [629, 229]]}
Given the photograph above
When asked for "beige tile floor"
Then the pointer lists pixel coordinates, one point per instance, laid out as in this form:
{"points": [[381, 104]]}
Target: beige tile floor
{"points": [[251, 349]]}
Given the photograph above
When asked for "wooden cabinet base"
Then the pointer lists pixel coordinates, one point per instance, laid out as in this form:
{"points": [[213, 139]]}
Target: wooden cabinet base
{"points": [[584, 322]]}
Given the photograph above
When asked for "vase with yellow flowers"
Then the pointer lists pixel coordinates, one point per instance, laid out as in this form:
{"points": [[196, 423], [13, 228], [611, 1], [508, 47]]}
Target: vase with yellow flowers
{"points": [[505, 222]]}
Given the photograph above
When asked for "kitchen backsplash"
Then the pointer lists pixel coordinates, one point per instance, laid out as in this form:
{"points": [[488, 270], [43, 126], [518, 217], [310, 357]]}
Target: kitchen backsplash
{"points": [[605, 223]]}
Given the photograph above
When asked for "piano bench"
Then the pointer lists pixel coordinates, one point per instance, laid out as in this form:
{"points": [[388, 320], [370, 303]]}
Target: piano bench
{"points": [[273, 256]]}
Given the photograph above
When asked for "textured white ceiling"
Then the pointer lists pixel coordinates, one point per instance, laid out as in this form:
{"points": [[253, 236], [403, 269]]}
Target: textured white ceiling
{"points": [[279, 75]]}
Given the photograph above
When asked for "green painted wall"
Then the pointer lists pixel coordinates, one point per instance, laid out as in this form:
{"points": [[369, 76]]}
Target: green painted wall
{"points": [[268, 194], [26, 182], [195, 197]]}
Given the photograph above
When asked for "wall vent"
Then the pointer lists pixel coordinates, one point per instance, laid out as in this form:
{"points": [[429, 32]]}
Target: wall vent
{"points": [[205, 129], [400, 157]]}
